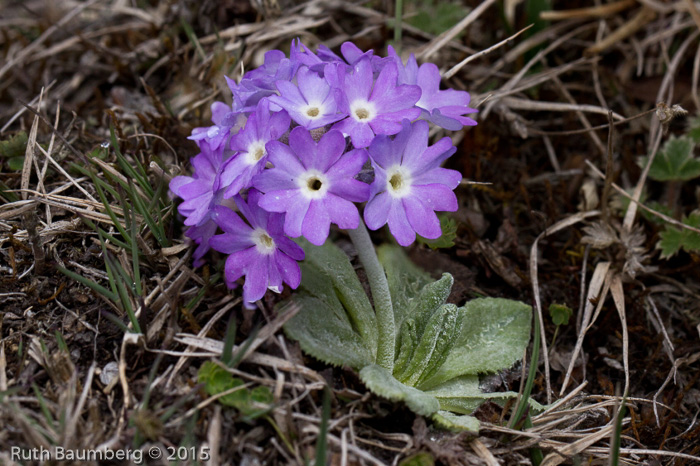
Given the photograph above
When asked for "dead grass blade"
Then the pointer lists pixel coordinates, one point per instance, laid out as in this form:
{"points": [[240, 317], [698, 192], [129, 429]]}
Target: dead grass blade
{"points": [[598, 11], [644, 15], [597, 291], [29, 153], [618, 295], [27, 51], [635, 201], [563, 453], [565, 223], [452, 71]]}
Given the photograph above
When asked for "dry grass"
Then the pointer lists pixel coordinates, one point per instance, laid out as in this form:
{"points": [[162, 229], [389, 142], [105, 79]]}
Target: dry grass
{"points": [[70, 377]]}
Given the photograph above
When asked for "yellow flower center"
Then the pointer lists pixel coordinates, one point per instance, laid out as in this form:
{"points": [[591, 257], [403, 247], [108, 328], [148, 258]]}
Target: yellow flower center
{"points": [[362, 114], [396, 181]]}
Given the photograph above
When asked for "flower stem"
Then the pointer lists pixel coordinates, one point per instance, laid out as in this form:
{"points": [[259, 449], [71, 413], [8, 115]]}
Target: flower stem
{"points": [[380, 294], [398, 6]]}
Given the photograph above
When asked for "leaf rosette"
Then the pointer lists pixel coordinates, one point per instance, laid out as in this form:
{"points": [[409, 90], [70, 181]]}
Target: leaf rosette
{"points": [[440, 349]]}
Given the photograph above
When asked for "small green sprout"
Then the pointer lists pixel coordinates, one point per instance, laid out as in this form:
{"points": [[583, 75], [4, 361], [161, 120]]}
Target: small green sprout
{"points": [[560, 313]]}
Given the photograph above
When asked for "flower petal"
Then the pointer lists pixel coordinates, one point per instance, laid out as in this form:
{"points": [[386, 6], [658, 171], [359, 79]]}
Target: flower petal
{"points": [[422, 218], [400, 226], [256, 280], [316, 224], [377, 211], [341, 212], [289, 269], [437, 197]]}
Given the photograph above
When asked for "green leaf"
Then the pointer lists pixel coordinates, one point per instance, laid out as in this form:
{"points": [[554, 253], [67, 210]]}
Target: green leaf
{"points": [[694, 129], [658, 207], [446, 240], [460, 395], [331, 261], [324, 331], [436, 17], [335, 323], [217, 380], [674, 239], [381, 382], [419, 459], [560, 313], [433, 347], [493, 333], [89, 283], [407, 342], [675, 161], [16, 146], [262, 394], [15, 163], [431, 297], [452, 421], [405, 279]]}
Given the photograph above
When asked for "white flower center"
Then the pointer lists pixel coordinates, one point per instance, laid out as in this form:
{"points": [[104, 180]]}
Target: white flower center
{"points": [[263, 242], [256, 151], [398, 181], [313, 184], [363, 111]]}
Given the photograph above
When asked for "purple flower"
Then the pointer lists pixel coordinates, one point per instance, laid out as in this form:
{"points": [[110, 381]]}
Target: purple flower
{"points": [[259, 250], [352, 54], [201, 234], [311, 104], [198, 191], [225, 120], [324, 56], [443, 108], [260, 82], [200, 197], [409, 185], [301, 54], [249, 144], [374, 109], [313, 183]]}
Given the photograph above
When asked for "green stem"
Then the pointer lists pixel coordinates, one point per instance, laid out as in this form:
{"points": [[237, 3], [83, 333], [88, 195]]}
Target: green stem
{"points": [[380, 294], [398, 25]]}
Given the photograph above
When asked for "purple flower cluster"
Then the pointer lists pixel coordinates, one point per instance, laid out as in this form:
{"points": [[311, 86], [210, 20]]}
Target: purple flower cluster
{"points": [[283, 161]]}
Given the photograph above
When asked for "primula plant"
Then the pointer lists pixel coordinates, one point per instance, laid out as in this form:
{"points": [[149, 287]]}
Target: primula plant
{"points": [[319, 139]]}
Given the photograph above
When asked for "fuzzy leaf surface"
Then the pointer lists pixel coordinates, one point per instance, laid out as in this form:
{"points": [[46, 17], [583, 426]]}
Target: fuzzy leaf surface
{"points": [[463, 395], [433, 347], [493, 332], [405, 279], [453, 421], [334, 263], [335, 323], [459, 395], [383, 383]]}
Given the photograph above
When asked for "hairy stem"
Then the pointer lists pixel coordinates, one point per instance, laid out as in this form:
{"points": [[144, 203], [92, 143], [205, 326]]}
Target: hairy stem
{"points": [[380, 294]]}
